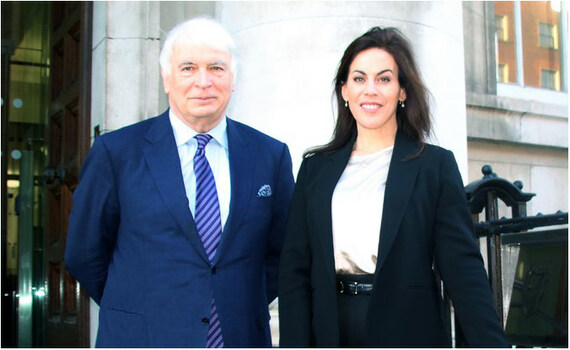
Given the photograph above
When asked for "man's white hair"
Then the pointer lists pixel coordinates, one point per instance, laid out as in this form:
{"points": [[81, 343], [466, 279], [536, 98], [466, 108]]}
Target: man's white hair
{"points": [[198, 31]]}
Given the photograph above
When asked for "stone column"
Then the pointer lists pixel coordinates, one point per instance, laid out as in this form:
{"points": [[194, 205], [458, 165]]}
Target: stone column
{"points": [[125, 73], [289, 52]]}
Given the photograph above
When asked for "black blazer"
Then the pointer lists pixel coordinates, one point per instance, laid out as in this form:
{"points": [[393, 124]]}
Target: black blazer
{"points": [[425, 221]]}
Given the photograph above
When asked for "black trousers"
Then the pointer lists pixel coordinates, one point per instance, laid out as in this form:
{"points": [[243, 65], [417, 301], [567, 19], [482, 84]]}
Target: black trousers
{"points": [[352, 311]]}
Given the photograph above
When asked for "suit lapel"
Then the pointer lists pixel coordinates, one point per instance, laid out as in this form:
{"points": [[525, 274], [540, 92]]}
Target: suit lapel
{"points": [[162, 159], [242, 156], [399, 186], [331, 173]]}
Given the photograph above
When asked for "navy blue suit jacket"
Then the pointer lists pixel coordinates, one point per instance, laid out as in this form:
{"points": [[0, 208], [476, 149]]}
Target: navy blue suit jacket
{"points": [[425, 222], [133, 245]]}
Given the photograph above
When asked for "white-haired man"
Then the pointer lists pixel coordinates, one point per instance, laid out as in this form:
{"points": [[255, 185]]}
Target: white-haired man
{"points": [[178, 220]]}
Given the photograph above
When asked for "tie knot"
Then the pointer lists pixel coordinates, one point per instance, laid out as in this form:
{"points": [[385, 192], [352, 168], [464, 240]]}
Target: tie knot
{"points": [[203, 140]]}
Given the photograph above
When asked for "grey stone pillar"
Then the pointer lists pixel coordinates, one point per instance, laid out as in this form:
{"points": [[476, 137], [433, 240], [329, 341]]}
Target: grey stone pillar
{"points": [[289, 52], [125, 73]]}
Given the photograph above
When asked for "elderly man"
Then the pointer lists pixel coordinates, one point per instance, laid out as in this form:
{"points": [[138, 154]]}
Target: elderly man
{"points": [[178, 220]]}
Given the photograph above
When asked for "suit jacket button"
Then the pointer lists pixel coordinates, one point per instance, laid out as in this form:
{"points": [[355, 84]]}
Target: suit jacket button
{"points": [[213, 270], [205, 321]]}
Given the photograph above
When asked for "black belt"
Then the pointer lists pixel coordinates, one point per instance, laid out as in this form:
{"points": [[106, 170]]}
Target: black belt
{"points": [[348, 287]]}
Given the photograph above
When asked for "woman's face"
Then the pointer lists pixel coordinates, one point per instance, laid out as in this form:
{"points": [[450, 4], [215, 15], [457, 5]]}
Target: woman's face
{"points": [[372, 91]]}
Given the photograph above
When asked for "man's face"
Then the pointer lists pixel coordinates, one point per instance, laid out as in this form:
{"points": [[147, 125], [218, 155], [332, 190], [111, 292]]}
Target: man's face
{"points": [[200, 83]]}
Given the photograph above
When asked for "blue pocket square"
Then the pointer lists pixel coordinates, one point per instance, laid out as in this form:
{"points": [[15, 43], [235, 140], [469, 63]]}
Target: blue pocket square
{"points": [[264, 191]]}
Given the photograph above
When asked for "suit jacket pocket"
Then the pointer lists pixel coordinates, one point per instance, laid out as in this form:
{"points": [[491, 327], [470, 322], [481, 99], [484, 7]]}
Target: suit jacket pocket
{"points": [[120, 328], [262, 201]]}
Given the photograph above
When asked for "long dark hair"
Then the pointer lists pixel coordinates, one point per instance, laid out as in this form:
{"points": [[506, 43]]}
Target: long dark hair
{"points": [[413, 120]]}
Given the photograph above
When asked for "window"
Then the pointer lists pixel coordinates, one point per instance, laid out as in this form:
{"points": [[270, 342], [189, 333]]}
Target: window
{"points": [[549, 79], [547, 35], [503, 73], [530, 48], [502, 29]]}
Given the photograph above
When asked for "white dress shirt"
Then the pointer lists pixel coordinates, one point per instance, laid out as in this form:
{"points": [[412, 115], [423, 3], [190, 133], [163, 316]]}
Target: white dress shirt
{"points": [[217, 155], [357, 204]]}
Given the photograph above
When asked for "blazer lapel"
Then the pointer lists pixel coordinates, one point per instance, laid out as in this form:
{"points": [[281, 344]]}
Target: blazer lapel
{"points": [[163, 162], [242, 156], [325, 186], [399, 186]]}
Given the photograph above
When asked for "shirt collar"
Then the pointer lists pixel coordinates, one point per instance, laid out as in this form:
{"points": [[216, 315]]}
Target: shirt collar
{"points": [[183, 133]]}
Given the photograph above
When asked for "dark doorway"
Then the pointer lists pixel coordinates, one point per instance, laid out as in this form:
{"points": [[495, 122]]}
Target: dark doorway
{"points": [[45, 134]]}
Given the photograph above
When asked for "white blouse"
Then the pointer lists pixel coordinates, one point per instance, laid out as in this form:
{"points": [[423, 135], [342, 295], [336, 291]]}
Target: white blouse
{"points": [[356, 206]]}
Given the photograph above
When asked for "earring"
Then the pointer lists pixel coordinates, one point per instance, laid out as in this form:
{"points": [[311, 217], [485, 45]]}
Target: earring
{"points": [[402, 104], [346, 103]]}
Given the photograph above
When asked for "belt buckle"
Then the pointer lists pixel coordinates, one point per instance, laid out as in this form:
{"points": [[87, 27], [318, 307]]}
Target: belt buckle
{"points": [[355, 288]]}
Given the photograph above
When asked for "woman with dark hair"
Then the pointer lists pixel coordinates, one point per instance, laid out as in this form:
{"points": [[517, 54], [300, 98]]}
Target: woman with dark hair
{"points": [[375, 213]]}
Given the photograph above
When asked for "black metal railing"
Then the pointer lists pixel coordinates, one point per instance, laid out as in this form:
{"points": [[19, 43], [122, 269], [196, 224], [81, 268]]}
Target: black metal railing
{"points": [[538, 301]]}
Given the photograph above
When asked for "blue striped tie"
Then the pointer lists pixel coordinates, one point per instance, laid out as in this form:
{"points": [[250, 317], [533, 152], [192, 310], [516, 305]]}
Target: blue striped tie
{"points": [[209, 224]]}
